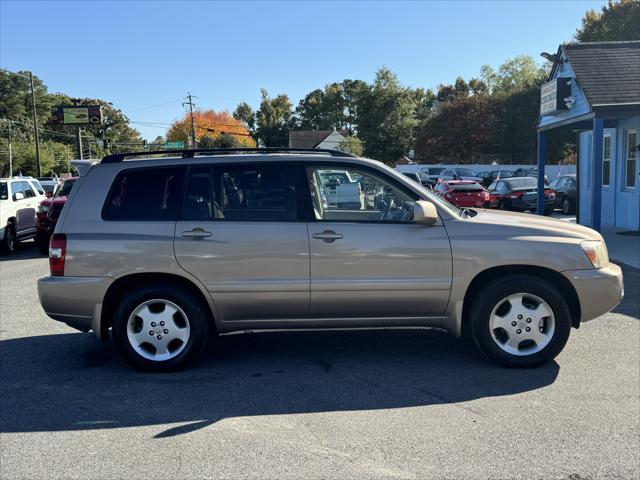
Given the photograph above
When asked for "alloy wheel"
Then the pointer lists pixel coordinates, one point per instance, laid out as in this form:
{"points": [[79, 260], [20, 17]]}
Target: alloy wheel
{"points": [[522, 324], [158, 330]]}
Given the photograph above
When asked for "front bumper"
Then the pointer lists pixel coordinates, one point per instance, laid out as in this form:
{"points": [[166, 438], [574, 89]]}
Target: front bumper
{"points": [[76, 301], [599, 290]]}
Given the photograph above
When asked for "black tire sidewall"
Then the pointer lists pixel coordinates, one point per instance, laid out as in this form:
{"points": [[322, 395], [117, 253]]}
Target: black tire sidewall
{"points": [[494, 292], [187, 301], [5, 246]]}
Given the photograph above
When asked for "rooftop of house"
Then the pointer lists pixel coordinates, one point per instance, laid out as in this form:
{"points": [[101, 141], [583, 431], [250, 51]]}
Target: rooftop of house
{"points": [[607, 72]]}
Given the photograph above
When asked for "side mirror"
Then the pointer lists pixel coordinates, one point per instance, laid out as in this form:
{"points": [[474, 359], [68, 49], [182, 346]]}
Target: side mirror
{"points": [[18, 196], [425, 213]]}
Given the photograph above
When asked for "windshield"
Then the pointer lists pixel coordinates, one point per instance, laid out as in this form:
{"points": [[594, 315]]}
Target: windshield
{"points": [[4, 192], [466, 172], [65, 188], [48, 187], [523, 182]]}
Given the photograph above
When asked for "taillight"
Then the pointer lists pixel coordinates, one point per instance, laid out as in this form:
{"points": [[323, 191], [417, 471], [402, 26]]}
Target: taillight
{"points": [[516, 195], [57, 254], [549, 192]]}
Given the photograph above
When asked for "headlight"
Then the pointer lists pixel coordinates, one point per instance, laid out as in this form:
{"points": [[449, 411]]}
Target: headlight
{"points": [[596, 252], [43, 208]]}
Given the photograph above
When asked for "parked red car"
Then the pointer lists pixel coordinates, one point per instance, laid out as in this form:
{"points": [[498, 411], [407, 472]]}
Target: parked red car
{"points": [[463, 193], [48, 213]]}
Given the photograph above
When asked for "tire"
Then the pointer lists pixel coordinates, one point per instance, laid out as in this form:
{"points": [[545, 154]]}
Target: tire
{"points": [[9, 242], [502, 205], [489, 311], [185, 332], [42, 242], [486, 205], [567, 206]]}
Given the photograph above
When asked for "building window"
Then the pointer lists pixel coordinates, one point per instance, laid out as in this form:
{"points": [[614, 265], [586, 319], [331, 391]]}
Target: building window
{"points": [[606, 161], [630, 163]]}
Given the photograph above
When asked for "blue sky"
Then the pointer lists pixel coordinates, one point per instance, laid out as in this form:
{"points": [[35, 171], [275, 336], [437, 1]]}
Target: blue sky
{"points": [[144, 56]]}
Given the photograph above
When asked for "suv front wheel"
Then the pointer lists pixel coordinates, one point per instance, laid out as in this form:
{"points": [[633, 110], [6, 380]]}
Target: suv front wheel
{"points": [[520, 321], [160, 328]]}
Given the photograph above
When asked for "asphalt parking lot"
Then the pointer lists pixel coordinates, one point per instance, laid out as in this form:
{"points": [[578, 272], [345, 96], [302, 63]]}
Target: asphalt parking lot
{"points": [[366, 404]]}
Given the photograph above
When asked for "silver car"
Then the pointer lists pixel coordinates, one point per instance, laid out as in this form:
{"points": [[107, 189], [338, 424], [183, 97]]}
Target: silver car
{"points": [[163, 253]]}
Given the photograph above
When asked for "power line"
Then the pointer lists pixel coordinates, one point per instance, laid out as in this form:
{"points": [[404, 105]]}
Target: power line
{"points": [[154, 106]]}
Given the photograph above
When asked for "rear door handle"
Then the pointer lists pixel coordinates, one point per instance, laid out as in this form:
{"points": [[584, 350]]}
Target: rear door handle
{"points": [[197, 234], [328, 236]]}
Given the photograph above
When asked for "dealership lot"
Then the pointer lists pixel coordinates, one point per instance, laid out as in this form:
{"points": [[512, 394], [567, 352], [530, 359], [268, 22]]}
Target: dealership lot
{"points": [[369, 404]]}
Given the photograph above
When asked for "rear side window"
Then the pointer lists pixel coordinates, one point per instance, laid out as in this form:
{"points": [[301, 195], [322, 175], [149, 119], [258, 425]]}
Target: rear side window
{"points": [[145, 194], [247, 193]]}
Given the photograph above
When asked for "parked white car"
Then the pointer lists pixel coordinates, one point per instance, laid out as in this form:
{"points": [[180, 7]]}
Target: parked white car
{"points": [[19, 199]]}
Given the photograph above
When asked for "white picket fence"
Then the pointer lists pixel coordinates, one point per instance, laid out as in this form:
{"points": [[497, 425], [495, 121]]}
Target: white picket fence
{"points": [[550, 170]]}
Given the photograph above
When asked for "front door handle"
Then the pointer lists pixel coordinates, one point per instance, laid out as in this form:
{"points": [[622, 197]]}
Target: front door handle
{"points": [[197, 234], [328, 236]]}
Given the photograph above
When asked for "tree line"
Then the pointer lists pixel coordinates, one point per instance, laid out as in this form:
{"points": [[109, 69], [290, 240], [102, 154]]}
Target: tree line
{"points": [[57, 142]]}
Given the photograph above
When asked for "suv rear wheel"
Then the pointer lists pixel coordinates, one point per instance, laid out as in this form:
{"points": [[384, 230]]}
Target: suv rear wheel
{"points": [[520, 321], [160, 328]]}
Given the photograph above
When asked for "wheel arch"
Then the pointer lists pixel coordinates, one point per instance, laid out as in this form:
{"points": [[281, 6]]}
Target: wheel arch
{"points": [[121, 286], [555, 278]]}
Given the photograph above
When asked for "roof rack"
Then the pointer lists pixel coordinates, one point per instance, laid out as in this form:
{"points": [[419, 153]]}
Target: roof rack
{"points": [[192, 152]]}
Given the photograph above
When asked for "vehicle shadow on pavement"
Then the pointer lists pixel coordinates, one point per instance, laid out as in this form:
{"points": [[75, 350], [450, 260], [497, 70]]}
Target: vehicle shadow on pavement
{"points": [[631, 304], [25, 251], [74, 382]]}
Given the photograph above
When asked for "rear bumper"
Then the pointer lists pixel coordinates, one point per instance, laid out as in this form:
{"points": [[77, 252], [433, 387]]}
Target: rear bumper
{"points": [[76, 301], [470, 202], [599, 290], [531, 205]]}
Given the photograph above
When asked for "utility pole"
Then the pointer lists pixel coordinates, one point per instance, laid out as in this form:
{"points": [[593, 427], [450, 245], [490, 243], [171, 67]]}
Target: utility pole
{"points": [[35, 124], [193, 125], [10, 151]]}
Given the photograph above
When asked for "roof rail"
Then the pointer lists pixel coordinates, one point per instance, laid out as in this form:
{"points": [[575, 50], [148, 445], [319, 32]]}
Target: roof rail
{"points": [[192, 152]]}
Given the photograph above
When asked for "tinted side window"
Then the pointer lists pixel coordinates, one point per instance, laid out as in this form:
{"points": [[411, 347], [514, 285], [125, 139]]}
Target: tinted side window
{"points": [[199, 203], [247, 193], [145, 194]]}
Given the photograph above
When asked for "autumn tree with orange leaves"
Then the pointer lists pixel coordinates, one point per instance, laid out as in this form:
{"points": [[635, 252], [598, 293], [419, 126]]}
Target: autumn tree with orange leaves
{"points": [[211, 128]]}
